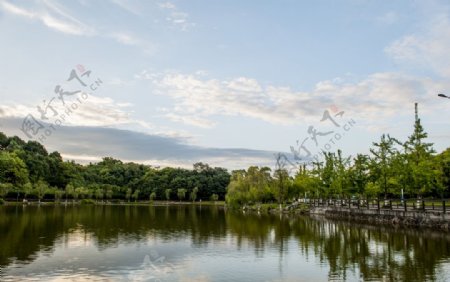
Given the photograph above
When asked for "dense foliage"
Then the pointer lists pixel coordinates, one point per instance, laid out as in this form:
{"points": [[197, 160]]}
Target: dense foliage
{"points": [[27, 170], [391, 167]]}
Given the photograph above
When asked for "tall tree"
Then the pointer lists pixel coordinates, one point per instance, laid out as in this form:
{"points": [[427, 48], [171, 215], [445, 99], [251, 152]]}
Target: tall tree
{"points": [[358, 174], [340, 183], [281, 179], [381, 168], [420, 156]]}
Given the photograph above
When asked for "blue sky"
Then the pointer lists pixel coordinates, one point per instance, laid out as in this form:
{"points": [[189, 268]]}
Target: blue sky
{"points": [[225, 82]]}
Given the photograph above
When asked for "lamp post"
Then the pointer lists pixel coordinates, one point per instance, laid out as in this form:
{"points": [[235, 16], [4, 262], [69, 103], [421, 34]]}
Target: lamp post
{"points": [[443, 96]]}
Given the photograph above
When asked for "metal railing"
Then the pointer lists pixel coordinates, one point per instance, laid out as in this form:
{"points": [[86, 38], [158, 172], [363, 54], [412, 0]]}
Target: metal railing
{"points": [[424, 205]]}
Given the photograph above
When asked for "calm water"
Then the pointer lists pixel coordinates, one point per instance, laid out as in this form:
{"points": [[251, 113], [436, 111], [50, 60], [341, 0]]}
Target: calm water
{"points": [[119, 243]]}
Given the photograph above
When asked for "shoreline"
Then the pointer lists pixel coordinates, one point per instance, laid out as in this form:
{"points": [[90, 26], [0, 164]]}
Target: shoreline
{"points": [[104, 203], [420, 220]]}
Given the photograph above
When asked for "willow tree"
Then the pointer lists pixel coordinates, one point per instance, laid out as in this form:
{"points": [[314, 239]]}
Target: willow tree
{"points": [[250, 186], [181, 193], [167, 193], [193, 194]]}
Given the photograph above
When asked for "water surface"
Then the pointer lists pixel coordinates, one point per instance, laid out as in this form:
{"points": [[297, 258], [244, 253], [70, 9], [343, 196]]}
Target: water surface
{"points": [[193, 243]]}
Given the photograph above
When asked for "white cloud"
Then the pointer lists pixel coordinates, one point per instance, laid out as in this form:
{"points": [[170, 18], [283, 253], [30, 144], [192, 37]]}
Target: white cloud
{"points": [[167, 5], [16, 110], [82, 158], [98, 111], [93, 111], [8, 7], [125, 38], [52, 16], [427, 48], [176, 17], [180, 20], [230, 162], [379, 96], [244, 84]]}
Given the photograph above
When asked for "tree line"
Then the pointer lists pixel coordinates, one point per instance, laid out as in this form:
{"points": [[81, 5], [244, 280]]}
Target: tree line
{"points": [[393, 168], [28, 171]]}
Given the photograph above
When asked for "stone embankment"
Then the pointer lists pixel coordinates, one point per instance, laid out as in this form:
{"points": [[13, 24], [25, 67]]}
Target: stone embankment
{"points": [[428, 219]]}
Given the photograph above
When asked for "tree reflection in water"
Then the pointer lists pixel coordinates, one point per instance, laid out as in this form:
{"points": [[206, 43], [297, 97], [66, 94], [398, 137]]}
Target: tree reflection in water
{"points": [[374, 252]]}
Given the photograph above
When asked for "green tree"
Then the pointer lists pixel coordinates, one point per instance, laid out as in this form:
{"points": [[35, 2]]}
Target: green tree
{"points": [[281, 179], [181, 193], [402, 170], [152, 196], [70, 190], [27, 189], [78, 192], [381, 163], [99, 194], [305, 183], [40, 188], [254, 185], [167, 194], [136, 195], [12, 169], [58, 194], [214, 197], [443, 160], [193, 194], [420, 155], [128, 194], [109, 193], [359, 174], [4, 141], [340, 180], [5, 188], [88, 192], [238, 190]]}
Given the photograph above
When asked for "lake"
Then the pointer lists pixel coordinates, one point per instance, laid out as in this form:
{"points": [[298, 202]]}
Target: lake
{"points": [[207, 243]]}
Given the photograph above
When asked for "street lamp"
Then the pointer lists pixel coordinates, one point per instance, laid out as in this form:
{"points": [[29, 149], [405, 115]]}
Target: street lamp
{"points": [[443, 96]]}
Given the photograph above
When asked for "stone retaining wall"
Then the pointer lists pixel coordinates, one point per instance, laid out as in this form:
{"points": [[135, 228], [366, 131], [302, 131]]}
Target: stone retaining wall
{"points": [[436, 220]]}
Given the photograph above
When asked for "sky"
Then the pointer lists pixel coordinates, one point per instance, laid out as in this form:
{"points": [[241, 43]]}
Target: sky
{"points": [[229, 83]]}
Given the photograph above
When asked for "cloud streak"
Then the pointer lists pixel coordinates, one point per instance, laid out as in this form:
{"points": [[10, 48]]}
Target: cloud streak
{"points": [[55, 17], [51, 16]]}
